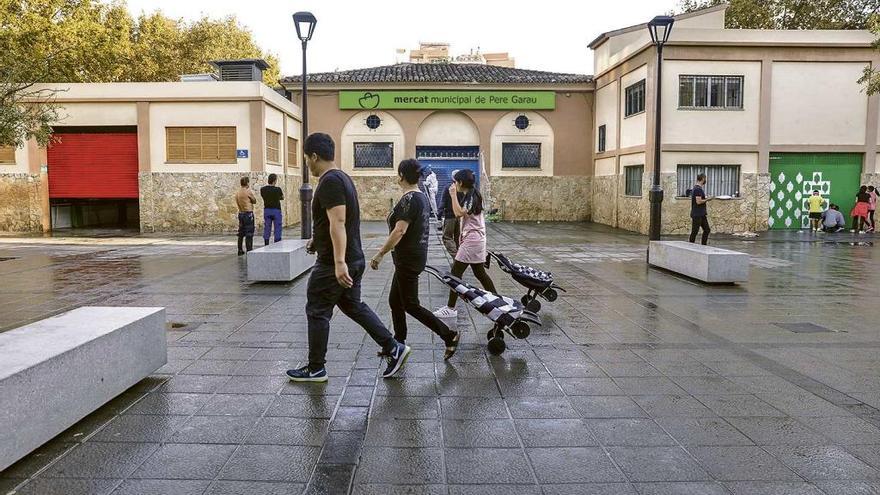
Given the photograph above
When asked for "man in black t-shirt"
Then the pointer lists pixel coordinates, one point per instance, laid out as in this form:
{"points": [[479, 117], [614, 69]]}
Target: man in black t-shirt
{"points": [[336, 277], [272, 196], [699, 215]]}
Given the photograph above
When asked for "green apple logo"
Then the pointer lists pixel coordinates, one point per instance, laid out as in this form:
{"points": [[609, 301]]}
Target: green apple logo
{"points": [[369, 100]]}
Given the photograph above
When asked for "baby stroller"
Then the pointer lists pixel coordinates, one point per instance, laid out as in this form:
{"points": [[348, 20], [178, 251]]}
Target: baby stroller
{"points": [[537, 282], [509, 316]]}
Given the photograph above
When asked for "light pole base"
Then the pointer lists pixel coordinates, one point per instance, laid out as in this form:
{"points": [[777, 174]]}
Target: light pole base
{"points": [[305, 197]]}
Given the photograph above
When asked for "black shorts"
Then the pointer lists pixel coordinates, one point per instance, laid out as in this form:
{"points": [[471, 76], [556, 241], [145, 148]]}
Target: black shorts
{"points": [[816, 215]]}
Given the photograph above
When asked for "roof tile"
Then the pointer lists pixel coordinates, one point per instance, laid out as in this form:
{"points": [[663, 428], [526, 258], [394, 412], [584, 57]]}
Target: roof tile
{"points": [[443, 73]]}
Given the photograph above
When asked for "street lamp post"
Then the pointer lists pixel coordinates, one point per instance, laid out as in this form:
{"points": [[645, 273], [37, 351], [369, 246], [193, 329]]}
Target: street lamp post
{"points": [[305, 26], [659, 27]]}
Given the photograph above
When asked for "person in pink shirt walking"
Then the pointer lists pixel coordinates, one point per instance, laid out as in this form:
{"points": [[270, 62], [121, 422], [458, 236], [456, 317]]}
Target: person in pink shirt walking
{"points": [[472, 240]]}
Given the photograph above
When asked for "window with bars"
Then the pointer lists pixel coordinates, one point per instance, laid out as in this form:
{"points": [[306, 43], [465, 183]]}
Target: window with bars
{"points": [[635, 98], [373, 155], [200, 144], [721, 180], [273, 146], [712, 92], [632, 176], [602, 136], [7, 155], [292, 154], [521, 155]]}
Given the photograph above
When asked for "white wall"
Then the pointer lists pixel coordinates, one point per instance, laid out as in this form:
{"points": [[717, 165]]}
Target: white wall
{"points": [[606, 113], [356, 131], [20, 166], [97, 114], [606, 166], [633, 129], [748, 162], [631, 159], [818, 103], [538, 131], [197, 114], [711, 126]]}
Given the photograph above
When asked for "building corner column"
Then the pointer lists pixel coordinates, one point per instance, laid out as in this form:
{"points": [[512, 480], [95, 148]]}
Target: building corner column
{"points": [[146, 201], [258, 136], [38, 167], [869, 164], [764, 116]]}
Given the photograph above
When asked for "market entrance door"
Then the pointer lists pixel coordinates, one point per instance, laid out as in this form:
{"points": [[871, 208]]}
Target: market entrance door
{"points": [[794, 176]]}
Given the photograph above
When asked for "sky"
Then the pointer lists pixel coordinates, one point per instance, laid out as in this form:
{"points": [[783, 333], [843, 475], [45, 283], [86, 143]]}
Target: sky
{"points": [[547, 35]]}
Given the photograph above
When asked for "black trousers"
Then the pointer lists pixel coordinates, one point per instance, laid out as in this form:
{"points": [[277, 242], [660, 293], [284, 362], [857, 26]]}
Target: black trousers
{"points": [[246, 227], [698, 223], [479, 270], [404, 299], [323, 293]]}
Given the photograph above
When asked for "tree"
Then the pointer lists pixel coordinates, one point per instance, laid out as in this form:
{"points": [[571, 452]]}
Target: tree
{"points": [[26, 111], [103, 43], [792, 14]]}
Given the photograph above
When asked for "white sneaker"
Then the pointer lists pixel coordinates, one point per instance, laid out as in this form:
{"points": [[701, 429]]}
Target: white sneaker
{"points": [[446, 312]]}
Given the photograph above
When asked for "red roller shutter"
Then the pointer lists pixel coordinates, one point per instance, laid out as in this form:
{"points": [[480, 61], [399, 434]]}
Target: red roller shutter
{"points": [[94, 166]]}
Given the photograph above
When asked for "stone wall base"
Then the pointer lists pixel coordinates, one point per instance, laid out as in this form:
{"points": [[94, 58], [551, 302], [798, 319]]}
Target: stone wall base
{"points": [[21, 209], [205, 202], [560, 198]]}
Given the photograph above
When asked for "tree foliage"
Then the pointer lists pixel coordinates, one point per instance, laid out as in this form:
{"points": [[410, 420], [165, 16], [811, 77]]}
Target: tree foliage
{"points": [[101, 42], [792, 14], [49, 41]]}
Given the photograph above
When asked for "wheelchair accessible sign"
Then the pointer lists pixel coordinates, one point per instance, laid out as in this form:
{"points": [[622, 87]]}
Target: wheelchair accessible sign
{"points": [[443, 100]]}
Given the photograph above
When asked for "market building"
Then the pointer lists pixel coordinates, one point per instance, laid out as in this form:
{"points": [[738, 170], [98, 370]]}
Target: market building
{"points": [[159, 157], [526, 134], [768, 115]]}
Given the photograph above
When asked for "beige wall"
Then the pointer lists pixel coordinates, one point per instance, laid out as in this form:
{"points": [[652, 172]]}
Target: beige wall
{"points": [[633, 129], [538, 131], [21, 165], [632, 159], [164, 115], [682, 126], [606, 166], [98, 114], [448, 129], [748, 162], [607, 115], [817, 103], [356, 131]]}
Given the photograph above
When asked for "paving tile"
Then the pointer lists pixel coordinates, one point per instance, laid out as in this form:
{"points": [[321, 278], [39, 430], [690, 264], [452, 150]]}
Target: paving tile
{"points": [[838, 487], [253, 488], [472, 408], [407, 387], [573, 465], [607, 406], [824, 463], [303, 406], [185, 461], [541, 408], [36, 460], [330, 478], [406, 408], [845, 430], [382, 432], [590, 489], [554, 433], [287, 431], [271, 463], [703, 431], [140, 428], [479, 433], [101, 460], [162, 487], [777, 431], [384, 465], [629, 432], [650, 385], [485, 465], [214, 429], [589, 386], [672, 405], [169, 404], [236, 405], [681, 488], [468, 387], [379, 489], [494, 489], [47, 486], [773, 488], [738, 405], [735, 463]]}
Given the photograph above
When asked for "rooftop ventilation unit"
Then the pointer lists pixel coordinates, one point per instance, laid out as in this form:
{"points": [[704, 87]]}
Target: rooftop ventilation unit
{"points": [[241, 70]]}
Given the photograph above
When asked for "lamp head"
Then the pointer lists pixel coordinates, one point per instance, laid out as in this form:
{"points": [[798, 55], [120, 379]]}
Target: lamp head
{"points": [[305, 25], [660, 27]]}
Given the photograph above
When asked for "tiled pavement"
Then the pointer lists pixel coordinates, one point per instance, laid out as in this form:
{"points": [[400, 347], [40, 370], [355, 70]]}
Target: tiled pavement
{"points": [[639, 382]]}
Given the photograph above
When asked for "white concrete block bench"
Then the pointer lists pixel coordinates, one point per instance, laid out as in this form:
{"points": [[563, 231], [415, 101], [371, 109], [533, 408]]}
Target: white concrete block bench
{"points": [[279, 262], [709, 264], [56, 371]]}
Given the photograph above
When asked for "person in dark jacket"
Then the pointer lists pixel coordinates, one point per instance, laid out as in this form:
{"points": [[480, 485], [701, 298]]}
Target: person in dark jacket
{"points": [[272, 196], [451, 224]]}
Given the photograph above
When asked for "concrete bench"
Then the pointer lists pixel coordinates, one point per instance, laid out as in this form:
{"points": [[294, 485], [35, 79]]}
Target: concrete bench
{"points": [[706, 263], [279, 262], [56, 371]]}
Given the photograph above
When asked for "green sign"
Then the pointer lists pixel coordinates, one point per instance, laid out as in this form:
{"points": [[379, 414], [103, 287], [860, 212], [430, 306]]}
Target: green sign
{"points": [[454, 100]]}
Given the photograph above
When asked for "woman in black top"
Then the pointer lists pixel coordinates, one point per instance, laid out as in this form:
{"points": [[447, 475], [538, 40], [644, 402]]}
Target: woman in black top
{"points": [[860, 210], [408, 226]]}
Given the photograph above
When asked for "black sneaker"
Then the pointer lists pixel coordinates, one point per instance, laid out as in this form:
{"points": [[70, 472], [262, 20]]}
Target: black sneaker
{"points": [[241, 253], [396, 360], [382, 353], [304, 374]]}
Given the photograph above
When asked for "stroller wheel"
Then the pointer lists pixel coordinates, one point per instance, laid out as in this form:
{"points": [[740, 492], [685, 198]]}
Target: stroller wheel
{"points": [[550, 295], [496, 346], [534, 306], [520, 330], [491, 334]]}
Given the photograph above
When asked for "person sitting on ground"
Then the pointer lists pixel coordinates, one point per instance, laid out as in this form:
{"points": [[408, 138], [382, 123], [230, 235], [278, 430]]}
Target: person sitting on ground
{"points": [[245, 200], [815, 202], [832, 219], [408, 227]]}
